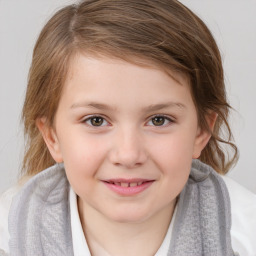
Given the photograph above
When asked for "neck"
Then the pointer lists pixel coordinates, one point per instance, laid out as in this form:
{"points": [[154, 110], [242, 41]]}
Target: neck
{"points": [[108, 237]]}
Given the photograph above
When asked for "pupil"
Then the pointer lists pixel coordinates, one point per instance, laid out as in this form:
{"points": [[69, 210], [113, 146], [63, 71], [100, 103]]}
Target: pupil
{"points": [[158, 120], [97, 121]]}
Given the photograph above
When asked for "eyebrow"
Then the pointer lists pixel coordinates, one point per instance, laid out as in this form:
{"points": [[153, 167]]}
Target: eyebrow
{"points": [[96, 105], [171, 104], [150, 108]]}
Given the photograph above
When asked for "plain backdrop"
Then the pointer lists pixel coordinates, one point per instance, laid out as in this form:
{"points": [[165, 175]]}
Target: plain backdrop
{"points": [[233, 23]]}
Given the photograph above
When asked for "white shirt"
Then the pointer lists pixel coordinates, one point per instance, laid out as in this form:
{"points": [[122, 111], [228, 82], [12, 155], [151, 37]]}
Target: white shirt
{"points": [[243, 229]]}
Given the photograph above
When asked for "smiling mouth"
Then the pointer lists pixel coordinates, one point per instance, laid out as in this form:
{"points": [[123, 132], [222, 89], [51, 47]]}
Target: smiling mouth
{"points": [[128, 187], [127, 184]]}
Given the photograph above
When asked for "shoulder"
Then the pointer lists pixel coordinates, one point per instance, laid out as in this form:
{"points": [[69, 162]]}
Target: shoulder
{"points": [[243, 215], [5, 203]]}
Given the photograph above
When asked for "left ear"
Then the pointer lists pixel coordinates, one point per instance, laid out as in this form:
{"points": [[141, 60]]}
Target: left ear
{"points": [[203, 136]]}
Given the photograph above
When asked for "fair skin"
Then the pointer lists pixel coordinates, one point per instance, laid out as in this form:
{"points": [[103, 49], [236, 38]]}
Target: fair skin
{"points": [[127, 135]]}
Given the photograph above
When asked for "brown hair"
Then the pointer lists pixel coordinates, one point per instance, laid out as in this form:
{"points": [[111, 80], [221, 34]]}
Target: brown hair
{"points": [[162, 32]]}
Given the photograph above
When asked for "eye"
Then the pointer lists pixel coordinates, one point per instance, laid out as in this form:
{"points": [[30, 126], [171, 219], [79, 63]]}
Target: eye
{"points": [[160, 121], [96, 121]]}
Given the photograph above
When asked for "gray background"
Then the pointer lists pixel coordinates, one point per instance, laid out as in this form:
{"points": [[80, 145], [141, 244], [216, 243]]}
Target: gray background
{"points": [[233, 23]]}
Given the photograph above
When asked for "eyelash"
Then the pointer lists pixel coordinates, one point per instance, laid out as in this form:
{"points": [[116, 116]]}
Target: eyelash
{"points": [[166, 118], [90, 119]]}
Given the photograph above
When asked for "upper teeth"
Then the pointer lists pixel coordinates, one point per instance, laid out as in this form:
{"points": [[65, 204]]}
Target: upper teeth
{"points": [[125, 184]]}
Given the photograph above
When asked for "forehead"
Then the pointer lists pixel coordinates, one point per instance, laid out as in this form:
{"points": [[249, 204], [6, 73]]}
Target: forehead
{"points": [[121, 59], [113, 77]]}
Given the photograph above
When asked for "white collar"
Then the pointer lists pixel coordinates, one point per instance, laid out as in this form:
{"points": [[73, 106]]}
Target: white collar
{"points": [[80, 246]]}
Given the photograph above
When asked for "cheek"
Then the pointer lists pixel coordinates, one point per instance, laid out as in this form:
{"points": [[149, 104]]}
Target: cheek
{"points": [[173, 156], [82, 158], [175, 148]]}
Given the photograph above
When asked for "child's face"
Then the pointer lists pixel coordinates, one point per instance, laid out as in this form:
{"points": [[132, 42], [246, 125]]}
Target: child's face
{"points": [[125, 124]]}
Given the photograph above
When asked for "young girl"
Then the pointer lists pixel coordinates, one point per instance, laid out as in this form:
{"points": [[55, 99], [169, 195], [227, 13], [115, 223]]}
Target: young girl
{"points": [[124, 113]]}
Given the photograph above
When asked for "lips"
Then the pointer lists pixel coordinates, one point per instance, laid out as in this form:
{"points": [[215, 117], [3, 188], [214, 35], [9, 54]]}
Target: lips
{"points": [[127, 182], [128, 187]]}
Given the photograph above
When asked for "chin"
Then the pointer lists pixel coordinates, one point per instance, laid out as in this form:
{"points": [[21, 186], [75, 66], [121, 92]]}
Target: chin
{"points": [[128, 216]]}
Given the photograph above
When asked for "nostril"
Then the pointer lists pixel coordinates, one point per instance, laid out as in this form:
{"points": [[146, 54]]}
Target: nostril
{"points": [[128, 155]]}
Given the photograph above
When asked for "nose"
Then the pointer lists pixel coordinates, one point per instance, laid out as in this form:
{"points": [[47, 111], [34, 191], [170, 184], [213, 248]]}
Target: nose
{"points": [[128, 149]]}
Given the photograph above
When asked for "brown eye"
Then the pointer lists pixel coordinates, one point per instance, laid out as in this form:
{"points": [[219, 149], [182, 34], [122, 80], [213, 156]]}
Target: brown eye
{"points": [[159, 121], [96, 121]]}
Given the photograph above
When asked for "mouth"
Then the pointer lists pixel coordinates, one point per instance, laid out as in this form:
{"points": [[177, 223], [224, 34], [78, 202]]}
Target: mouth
{"points": [[127, 184], [128, 187]]}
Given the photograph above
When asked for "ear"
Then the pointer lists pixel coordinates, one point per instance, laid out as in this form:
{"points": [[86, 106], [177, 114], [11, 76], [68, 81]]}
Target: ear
{"points": [[50, 138], [203, 136]]}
